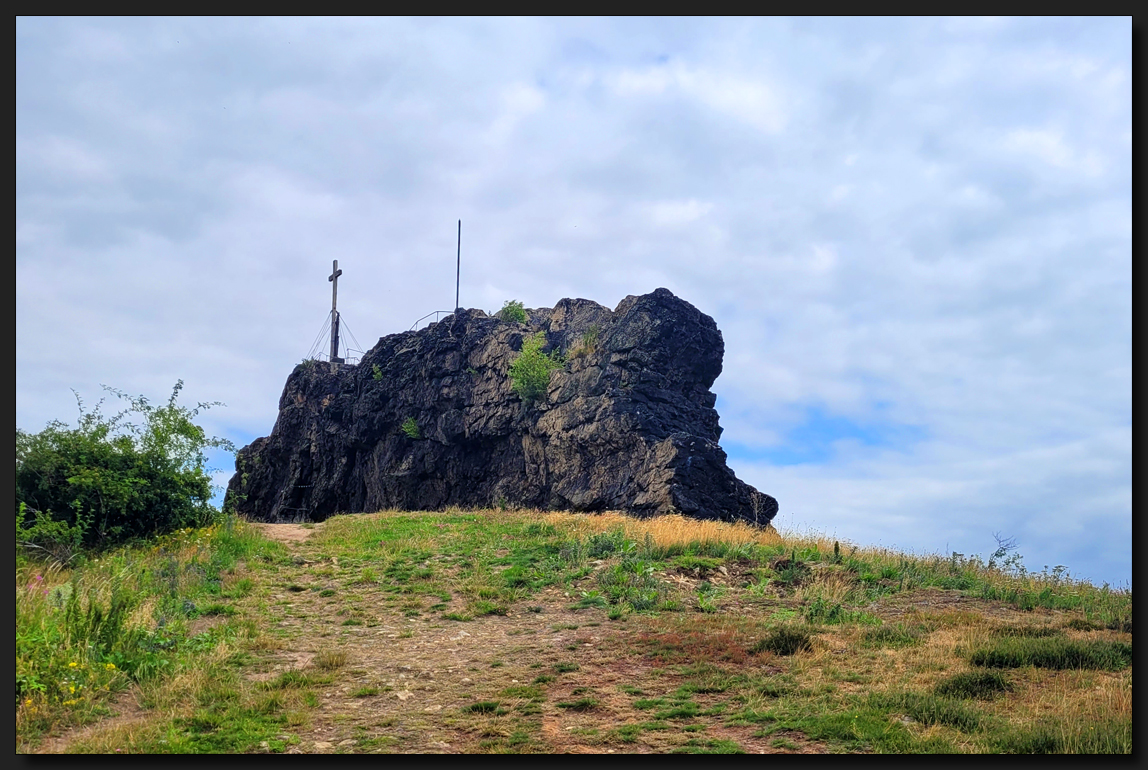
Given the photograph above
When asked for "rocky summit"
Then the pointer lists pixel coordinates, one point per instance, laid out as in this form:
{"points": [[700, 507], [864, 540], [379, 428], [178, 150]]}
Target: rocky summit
{"points": [[430, 419]]}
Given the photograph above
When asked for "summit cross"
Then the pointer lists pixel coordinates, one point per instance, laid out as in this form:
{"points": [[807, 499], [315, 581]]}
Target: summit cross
{"points": [[334, 279]]}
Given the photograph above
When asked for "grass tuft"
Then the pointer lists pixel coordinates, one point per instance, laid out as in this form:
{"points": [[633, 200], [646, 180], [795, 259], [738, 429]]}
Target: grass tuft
{"points": [[984, 685], [784, 640], [1054, 652]]}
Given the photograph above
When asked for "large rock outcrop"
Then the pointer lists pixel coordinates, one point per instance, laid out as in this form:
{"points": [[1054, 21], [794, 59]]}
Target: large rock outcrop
{"points": [[628, 424]]}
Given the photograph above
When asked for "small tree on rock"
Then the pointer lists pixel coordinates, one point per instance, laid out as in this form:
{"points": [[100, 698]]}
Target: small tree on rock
{"points": [[530, 370]]}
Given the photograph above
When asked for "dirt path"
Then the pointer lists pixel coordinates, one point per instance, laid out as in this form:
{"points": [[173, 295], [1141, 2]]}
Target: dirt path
{"points": [[410, 684]]}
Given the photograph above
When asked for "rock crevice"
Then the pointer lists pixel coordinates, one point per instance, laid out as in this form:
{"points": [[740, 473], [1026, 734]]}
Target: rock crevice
{"points": [[627, 424]]}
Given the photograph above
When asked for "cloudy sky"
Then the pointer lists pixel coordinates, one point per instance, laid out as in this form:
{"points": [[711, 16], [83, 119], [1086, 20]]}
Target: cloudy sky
{"points": [[915, 235]]}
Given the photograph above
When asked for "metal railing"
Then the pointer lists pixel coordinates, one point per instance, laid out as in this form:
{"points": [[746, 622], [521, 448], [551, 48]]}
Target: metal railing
{"points": [[352, 360], [435, 313]]}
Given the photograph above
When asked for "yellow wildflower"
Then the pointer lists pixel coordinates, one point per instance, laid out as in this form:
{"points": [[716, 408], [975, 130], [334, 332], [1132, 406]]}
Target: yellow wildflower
{"points": [[73, 664], [110, 666]]}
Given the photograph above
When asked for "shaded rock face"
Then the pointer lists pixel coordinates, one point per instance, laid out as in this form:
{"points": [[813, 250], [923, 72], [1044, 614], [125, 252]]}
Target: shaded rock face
{"points": [[628, 424]]}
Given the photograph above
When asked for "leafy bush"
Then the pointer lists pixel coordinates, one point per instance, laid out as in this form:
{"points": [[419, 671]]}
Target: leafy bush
{"points": [[513, 311], [411, 428], [109, 480], [530, 370]]}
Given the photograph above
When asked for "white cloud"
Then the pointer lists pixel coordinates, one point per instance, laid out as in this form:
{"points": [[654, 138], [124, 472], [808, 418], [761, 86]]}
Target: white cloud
{"points": [[896, 222], [676, 213], [746, 99], [1049, 146]]}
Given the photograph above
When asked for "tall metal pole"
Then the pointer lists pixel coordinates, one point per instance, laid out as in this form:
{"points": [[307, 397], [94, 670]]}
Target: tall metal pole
{"points": [[458, 267]]}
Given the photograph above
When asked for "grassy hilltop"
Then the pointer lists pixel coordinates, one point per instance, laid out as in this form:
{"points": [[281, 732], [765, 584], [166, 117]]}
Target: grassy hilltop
{"points": [[518, 631]]}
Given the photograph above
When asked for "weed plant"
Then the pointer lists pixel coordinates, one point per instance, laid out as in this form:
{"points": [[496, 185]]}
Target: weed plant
{"points": [[89, 630]]}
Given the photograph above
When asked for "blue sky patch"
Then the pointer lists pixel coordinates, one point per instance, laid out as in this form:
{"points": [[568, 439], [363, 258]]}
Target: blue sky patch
{"points": [[812, 441]]}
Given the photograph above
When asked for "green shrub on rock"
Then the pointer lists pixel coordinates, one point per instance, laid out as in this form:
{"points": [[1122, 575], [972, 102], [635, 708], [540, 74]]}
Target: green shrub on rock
{"points": [[513, 311], [530, 371]]}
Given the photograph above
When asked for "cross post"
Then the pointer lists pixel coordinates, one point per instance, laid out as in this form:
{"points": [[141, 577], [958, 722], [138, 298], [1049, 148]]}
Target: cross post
{"points": [[334, 279]]}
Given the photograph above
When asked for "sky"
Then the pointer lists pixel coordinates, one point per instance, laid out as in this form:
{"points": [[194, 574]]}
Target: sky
{"points": [[914, 234]]}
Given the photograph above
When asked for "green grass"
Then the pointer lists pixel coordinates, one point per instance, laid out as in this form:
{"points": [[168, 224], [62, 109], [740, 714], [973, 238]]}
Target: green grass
{"points": [[895, 636], [481, 707], [80, 636], [714, 746], [1054, 652], [582, 704], [1027, 632], [930, 709], [984, 685], [1053, 736], [865, 685], [784, 640]]}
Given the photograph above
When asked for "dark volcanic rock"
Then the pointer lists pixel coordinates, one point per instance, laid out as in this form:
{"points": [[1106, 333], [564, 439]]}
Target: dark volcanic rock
{"points": [[627, 425]]}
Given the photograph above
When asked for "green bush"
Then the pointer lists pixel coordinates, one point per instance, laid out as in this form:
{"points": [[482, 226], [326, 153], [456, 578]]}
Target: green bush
{"points": [[411, 428], [530, 370], [109, 480], [512, 310]]}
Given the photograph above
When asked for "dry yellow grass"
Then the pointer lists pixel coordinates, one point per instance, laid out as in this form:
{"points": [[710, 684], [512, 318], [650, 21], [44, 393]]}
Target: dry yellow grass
{"points": [[830, 585], [664, 531]]}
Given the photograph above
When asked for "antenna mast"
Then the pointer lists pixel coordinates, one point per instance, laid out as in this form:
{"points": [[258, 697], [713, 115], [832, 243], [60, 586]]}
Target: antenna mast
{"points": [[458, 267]]}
